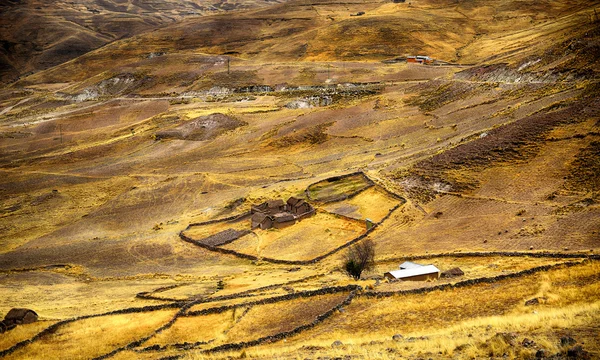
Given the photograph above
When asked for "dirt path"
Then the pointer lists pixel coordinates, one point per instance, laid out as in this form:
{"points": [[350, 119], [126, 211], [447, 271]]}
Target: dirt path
{"points": [[9, 108], [487, 198], [53, 115]]}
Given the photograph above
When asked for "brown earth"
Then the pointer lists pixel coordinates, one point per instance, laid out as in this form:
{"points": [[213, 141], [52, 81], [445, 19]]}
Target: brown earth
{"points": [[497, 154]]}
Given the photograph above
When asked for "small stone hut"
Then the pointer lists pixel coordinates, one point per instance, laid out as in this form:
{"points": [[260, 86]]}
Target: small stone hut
{"points": [[282, 220], [276, 213], [261, 220], [298, 206], [20, 316]]}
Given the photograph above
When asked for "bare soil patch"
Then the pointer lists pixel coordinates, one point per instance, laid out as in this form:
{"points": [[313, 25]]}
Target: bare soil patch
{"points": [[202, 128]]}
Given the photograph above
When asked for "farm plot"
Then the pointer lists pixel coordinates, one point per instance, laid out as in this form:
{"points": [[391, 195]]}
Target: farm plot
{"points": [[372, 203], [338, 188], [473, 267], [271, 319], [196, 329], [195, 290], [94, 337], [21, 333], [236, 301], [304, 240], [479, 306], [211, 234]]}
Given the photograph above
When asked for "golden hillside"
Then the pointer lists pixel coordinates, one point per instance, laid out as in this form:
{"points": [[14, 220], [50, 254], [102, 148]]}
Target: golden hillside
{"points": [[129, 174]]}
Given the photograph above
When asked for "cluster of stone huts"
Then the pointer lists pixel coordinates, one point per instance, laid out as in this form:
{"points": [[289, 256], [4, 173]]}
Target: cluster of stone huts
{"points": [[17, 317], [277, 214]]}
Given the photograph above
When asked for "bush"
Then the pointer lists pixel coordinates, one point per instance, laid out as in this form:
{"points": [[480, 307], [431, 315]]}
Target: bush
{"points": [[360, 257]]}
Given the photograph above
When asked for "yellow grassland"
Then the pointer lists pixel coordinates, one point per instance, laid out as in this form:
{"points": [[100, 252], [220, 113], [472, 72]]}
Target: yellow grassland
{"points": [[373, 204], [452, 318], [304, 240], [270, 319], [110, 230], [21, 333], [196, 329], [93, 337]]}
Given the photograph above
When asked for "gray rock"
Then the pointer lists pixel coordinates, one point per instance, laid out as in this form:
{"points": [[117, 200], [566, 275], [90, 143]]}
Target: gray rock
{"points": [[567, 341], [577, 352], [541, 354], [397, 337], [528, 343], [337, 344], [531, 302]]}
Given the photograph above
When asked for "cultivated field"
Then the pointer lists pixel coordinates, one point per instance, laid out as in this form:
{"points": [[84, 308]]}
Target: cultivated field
{"points": [[130, 160]]}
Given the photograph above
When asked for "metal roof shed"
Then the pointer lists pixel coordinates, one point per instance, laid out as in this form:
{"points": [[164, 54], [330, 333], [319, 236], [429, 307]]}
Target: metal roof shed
{"points": [[421, 273], [409, 265]]}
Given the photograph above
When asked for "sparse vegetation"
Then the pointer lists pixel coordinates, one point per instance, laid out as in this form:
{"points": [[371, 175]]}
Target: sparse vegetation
{"points": [[128, 173], [360, 257]]}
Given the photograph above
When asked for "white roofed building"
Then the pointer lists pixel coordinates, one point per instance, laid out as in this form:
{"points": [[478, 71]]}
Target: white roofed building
{"points": [[409, 265], [414, 273]]}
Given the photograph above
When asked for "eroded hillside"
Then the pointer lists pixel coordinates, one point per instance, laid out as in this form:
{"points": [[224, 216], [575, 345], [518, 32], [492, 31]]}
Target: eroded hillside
{"points": [[129, 176], [37, 35]]}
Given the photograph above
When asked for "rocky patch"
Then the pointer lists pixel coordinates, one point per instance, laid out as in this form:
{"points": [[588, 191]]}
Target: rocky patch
{"points": [[201, 128]]}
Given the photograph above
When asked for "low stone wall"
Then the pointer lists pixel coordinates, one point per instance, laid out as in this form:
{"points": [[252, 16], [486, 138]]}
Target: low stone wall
{"points": [[370, 184], [229, 218], [139, 342], [295, 262], [224, 237], [54, 327], [470, 282], [351, 289], [149, 295], [276, 299], [288, 262], [501, 253], [285, 334]]}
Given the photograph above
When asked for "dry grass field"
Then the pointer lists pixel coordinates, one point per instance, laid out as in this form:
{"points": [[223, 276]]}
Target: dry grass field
{"points": [[123, 122], [305, 240]]}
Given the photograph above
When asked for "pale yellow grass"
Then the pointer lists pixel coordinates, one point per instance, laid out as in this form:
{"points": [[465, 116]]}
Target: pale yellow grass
{"points": [[69, 205], [373, 204], [236, 301], [190, 291], [93, 337], [480, 344], [270, 319], [22, 332], [130, 354], [304, 240], [574, 302], [230, 110], [60, 294], [196, 328], [263, 274], [473, 267], [379, 319]]}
